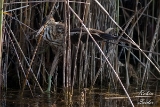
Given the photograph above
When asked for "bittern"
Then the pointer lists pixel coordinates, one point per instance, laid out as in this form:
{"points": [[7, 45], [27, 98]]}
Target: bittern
{"points": [[54, 34]]}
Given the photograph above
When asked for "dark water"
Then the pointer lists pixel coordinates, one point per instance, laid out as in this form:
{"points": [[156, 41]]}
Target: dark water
{"points": [[96, 98], [13, 99]]}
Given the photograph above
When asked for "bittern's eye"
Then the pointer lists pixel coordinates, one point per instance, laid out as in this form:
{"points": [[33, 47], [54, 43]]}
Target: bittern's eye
{"points": [[60, 29]]}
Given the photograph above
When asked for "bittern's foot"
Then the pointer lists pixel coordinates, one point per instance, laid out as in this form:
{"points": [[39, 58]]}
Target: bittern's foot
{"points": [[47, 91], [49, 84]]}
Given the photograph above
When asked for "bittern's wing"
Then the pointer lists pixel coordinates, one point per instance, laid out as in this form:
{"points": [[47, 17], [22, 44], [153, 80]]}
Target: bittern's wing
{"points": [[96, 34]]}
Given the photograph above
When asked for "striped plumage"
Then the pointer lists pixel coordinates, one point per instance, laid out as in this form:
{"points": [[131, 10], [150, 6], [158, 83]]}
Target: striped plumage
{"points": [[53, 32]]}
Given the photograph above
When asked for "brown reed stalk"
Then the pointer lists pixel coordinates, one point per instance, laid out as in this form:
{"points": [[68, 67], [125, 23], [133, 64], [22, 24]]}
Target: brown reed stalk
{"points": [[1, 40], [86, 63]]}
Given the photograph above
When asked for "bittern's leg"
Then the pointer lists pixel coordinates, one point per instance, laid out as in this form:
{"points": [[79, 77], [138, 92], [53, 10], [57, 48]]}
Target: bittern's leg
{"points": [[53, 68]]}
